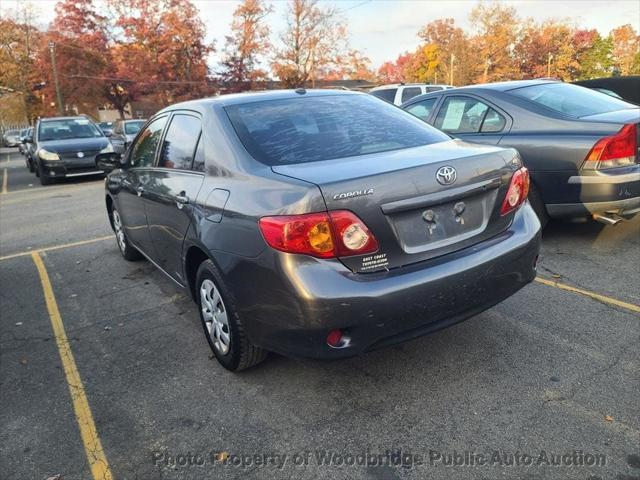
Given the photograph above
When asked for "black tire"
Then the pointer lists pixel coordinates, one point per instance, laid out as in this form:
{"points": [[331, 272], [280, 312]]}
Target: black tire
{"points": [[44, 180], [128, 251], [30, 165], [241, 353], [538, 205]]}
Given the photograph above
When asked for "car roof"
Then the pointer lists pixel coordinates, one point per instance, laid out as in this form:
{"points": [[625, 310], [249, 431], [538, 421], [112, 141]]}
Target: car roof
{"points": [[251, 97], [510, 85], [483, 87], [398, 85], [74, 117]]}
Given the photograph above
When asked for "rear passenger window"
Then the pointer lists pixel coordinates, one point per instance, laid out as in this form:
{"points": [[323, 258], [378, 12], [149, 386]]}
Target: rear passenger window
{"points": [[422, 109], [409, 92], [387, 94], [468, 115], [493, 122], [179, 143]]}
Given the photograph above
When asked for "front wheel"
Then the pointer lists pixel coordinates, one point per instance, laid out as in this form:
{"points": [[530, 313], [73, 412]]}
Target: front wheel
{"points": [[44, 180], [127, 250], [222, 325]]}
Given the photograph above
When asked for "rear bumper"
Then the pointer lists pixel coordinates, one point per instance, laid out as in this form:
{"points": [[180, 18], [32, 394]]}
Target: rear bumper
{"points": [[629, 206], [293, 311], [605, 191]]}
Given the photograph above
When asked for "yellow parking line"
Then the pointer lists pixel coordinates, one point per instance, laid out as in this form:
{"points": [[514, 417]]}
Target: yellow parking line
{"points": [[57, 247], [595, 296], [5, 181], [93, 448]]}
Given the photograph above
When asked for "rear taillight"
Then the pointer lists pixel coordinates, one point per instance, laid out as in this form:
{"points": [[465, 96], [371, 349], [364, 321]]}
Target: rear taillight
{"points": [[325, 235], [617, 150], [517, 192]]}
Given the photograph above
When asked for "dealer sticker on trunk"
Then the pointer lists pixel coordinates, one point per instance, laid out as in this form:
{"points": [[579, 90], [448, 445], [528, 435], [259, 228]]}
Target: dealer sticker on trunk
{"points": [[375, 261]]}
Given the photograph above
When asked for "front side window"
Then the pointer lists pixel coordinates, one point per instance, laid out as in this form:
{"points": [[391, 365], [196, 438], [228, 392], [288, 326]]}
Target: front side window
{"points": [[311, 129], [409, 92], [66, 129], [571, 100], [144, 150], [422, 109], [466, 115], [179, 143]]}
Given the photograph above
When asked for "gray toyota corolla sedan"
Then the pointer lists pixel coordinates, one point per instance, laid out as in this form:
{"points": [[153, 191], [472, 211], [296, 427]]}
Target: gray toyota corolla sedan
{"points": [[320, 223]]}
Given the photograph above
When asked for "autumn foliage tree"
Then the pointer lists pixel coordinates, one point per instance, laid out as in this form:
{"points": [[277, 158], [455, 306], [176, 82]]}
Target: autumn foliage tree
{"points": [[458, 62], [161, 50], [77, 38], [19, 41], [625, 49], [249, 40], [311, 43], [394, 72], [498, 30]]}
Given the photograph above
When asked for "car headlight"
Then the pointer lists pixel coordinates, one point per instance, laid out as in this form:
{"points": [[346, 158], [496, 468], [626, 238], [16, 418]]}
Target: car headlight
{"points": [[49, 156], [107, 149]]}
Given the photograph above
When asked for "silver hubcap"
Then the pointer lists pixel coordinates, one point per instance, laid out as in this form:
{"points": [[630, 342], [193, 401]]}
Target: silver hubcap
{"points": [[215, 316], [117, 225]]}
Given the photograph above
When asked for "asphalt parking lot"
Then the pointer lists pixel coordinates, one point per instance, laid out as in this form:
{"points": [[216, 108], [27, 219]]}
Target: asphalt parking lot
{"points": [[105, 372]]}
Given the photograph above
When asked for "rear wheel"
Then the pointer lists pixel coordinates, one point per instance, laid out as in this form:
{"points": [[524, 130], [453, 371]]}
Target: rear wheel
{"points": [[538, 205], [30, 165], [222, 325], [127, 250]]}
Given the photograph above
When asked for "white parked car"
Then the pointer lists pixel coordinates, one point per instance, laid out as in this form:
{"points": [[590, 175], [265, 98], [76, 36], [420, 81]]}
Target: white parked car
{"points": [[398, 93]]}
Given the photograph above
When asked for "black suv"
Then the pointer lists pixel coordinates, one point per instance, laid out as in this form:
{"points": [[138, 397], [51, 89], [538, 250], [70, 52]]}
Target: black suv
{"points": [[67, 147]]}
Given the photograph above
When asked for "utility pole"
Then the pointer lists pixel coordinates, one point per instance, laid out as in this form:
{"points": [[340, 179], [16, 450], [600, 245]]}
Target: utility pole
{"points": [[451, 60], [52, 50], [549, 58]]}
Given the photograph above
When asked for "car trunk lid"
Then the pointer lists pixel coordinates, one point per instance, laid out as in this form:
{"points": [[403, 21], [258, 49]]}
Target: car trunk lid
{"points": [[413, 214], [628, 115]]}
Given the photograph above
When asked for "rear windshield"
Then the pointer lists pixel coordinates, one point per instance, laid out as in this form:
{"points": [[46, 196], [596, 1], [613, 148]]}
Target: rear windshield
{"points": [[311, 129], [67, 129], [571, 100], [131, 128]]}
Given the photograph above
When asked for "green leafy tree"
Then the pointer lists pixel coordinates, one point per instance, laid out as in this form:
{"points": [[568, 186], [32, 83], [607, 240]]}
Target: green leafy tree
{"points": [[597, 60]]}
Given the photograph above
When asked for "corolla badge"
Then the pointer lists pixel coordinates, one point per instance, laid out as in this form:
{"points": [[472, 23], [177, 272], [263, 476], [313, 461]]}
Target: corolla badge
{"points": [[446, 175], [355, 193], [80, 154]]}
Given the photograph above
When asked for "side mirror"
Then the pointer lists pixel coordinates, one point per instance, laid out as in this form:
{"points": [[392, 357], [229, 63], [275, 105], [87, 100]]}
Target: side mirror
{"points": [[24, 141], [108, 162], [108, 133]]}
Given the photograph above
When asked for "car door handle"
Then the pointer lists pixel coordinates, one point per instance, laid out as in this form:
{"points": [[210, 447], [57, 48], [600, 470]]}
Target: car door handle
{"points": [[181, 199]]}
